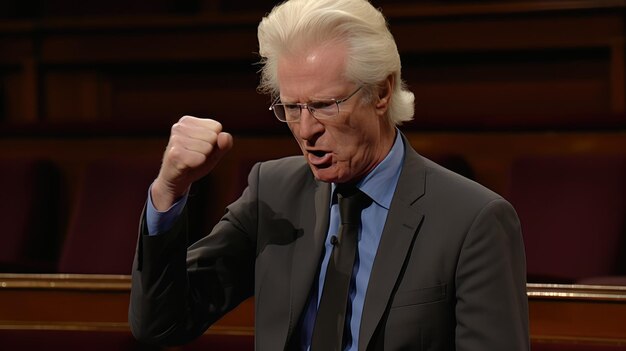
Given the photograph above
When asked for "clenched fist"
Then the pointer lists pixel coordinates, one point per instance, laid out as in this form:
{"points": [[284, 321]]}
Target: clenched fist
{"points": [[194, 148]]}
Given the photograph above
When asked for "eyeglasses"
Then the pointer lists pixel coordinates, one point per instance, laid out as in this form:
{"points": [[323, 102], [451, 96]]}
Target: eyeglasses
{"points": [[291, 113]]}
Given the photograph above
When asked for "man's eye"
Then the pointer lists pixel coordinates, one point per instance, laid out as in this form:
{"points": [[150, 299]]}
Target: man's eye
{"points": [[321, 105], [291, 107]]}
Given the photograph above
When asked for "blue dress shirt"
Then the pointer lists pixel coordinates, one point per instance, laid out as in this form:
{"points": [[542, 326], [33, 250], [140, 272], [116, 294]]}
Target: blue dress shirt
{"points": [[159, 222]]}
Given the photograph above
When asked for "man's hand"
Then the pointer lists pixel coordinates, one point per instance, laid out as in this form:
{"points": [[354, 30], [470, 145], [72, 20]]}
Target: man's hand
{"points": [[194, 148]]}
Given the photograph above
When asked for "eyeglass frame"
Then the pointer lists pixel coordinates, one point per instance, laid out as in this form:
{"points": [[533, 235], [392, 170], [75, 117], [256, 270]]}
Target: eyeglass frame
{"points": [[310, 109]]}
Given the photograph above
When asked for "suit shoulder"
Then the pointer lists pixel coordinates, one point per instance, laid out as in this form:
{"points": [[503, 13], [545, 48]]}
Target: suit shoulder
{"points": [[287, 172], [286, 166], [447, 184]]}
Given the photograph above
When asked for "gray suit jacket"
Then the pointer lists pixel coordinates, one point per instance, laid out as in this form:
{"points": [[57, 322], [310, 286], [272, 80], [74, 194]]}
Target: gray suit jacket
{"points": [[449, 273]]}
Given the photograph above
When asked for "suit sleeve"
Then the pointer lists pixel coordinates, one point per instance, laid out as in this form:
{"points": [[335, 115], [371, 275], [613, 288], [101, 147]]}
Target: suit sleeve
{"points": [[492, 305], [177, 291]]}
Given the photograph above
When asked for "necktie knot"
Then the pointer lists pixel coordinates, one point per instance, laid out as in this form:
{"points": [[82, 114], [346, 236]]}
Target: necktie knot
{"points": [[351, 202]]}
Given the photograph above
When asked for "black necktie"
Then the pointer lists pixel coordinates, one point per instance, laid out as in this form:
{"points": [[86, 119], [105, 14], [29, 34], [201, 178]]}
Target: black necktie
{"points": [[330, 321]]}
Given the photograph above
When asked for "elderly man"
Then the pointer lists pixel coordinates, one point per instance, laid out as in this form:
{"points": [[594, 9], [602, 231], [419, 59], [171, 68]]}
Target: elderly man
{"points": [[359, 244]]}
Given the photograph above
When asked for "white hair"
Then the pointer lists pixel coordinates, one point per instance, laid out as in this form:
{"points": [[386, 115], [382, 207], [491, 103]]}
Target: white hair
{"points": [[372, 53]]}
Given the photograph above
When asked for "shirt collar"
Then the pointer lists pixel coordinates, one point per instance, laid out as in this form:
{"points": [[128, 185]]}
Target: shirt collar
{"points": [[381, 182]]}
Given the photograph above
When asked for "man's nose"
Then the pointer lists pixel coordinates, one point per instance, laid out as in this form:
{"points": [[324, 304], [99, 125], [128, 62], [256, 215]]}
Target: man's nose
{"points": [[310, 127]]}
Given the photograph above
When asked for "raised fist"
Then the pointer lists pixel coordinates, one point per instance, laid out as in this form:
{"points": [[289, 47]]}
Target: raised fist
{"points": [[194, 148]]}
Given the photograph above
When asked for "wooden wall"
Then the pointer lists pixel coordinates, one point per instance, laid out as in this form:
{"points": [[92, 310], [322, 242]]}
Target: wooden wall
{"points": [[472, 65]]}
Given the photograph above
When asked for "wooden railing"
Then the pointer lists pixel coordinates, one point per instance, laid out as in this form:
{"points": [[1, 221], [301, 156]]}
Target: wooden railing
{"points": [[84, 302], [577, 314], [570, 314]]}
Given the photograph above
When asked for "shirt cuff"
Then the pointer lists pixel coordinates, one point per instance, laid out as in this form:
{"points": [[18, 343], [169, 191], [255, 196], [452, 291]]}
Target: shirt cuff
{"points": [[159, 222]]}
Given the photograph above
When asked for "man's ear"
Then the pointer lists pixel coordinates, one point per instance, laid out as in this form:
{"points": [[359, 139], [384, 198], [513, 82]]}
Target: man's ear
{"points": [[385, 89]]}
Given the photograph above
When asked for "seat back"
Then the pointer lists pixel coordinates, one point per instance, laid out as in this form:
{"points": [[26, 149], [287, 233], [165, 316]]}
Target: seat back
{"points": [[572, 211], [102, 232]]}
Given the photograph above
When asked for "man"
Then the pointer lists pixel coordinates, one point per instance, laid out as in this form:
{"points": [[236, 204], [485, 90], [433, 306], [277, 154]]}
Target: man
{"points": [[439, 261]]}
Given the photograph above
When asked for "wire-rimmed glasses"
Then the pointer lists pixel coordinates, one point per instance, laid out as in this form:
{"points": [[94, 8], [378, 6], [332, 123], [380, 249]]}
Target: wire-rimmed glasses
{"points": [[324, 109]]}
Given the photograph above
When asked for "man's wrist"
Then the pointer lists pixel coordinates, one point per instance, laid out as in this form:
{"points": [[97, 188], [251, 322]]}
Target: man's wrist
{"points": [[164, 197], [161, 221]]}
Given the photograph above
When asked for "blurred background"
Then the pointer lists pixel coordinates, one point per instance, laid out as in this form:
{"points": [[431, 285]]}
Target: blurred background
{"points": [[525, 97]]}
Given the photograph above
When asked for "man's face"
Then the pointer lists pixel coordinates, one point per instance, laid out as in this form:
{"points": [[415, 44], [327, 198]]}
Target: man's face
{"points": [[346, 148]]}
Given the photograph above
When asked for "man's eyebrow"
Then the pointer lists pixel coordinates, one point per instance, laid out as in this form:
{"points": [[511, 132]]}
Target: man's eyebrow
{"points": [[309, 101]]}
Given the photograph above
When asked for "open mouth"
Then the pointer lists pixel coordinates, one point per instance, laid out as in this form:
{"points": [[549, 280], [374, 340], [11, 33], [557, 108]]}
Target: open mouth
{"points": [[320, 158]]}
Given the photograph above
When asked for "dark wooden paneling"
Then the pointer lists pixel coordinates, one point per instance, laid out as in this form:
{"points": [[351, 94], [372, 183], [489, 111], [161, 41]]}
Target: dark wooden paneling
{"points": [[518, 64], [510, 86]]}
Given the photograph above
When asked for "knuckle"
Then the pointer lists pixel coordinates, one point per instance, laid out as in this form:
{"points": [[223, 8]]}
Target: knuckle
{"points": [[176, 128], [174, 139], [211, 137], [217, 126], [178, 161], [174, 152]]}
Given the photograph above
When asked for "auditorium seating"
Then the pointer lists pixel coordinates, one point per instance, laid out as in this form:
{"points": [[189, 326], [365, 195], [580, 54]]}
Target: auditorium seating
{"points": [[572, 210], [102, 232]]}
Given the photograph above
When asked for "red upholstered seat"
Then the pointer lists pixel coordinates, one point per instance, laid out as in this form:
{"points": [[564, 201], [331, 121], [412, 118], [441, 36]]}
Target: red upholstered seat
{"points": [[572, 211], [102, 232]]}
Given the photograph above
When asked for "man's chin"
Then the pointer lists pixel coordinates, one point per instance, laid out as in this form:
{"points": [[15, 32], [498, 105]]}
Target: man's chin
{"points": [[324, 174], [333, 174]]}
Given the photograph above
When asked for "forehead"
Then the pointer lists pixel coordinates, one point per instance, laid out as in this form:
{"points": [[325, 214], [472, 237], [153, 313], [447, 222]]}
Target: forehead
{"points": [[318, 71]]}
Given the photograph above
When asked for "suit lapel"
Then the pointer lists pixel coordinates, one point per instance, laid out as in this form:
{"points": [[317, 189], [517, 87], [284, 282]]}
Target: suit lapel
{"points": [[307, 253], [400, 229]]}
